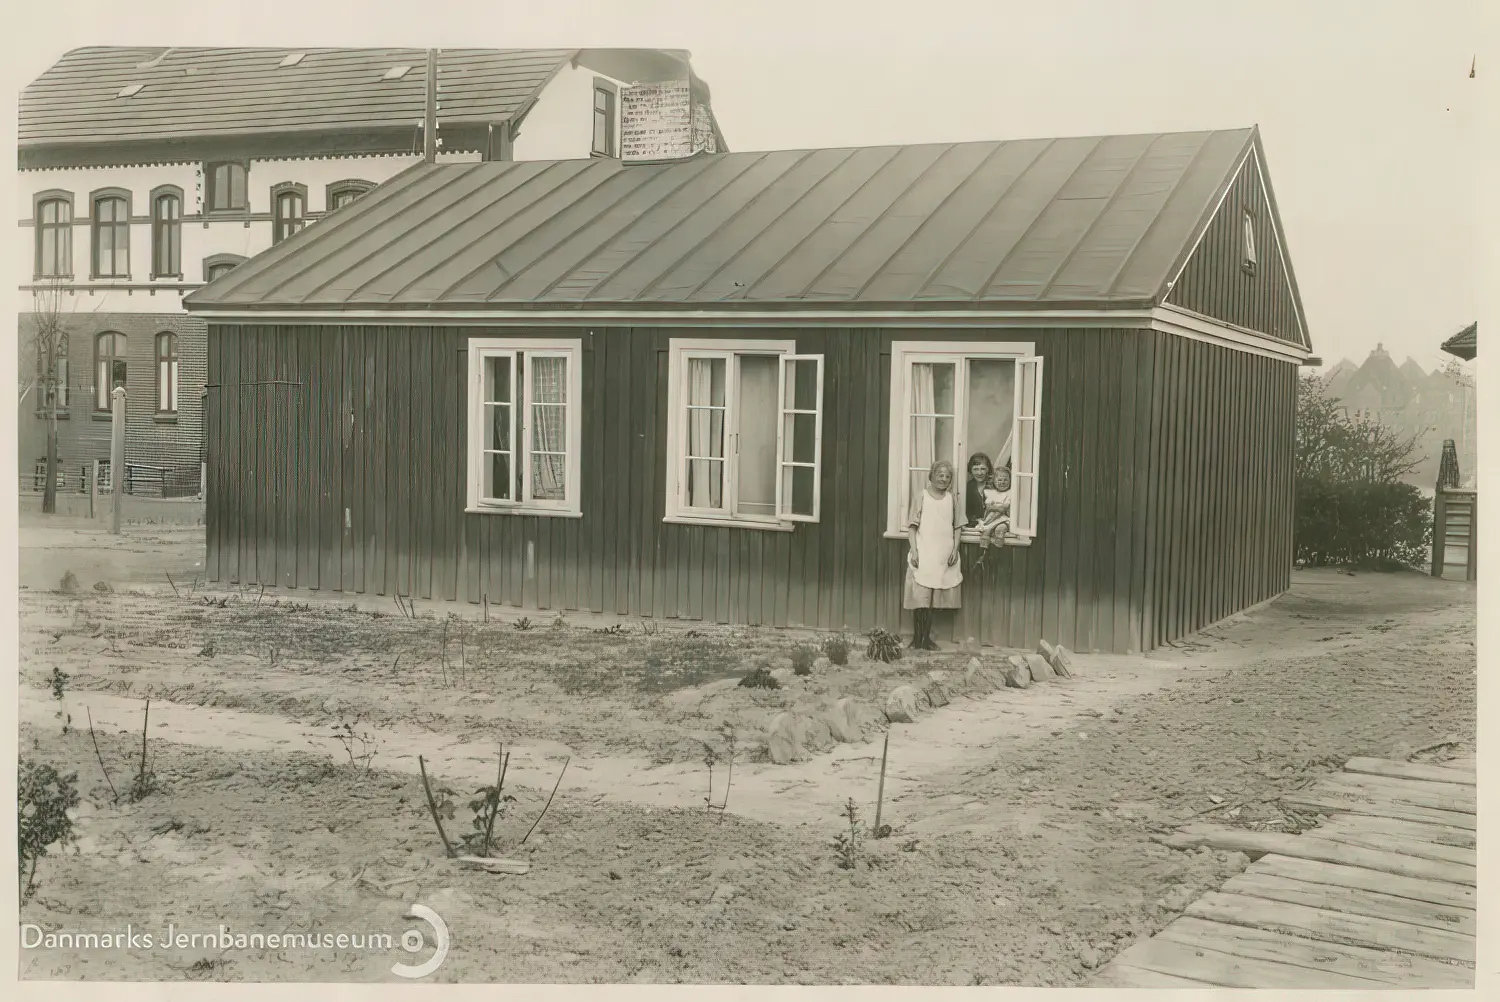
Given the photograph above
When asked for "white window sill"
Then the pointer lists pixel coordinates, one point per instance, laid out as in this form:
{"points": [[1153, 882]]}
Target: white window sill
{"points": [[970, 538], [521, 510], [731, 523]]}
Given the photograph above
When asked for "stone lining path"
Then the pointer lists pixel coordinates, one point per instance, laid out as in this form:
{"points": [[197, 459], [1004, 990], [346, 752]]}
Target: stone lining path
{"points": [[1380, 896]]}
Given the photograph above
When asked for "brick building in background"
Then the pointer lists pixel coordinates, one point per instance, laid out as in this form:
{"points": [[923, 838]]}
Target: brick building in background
{"points": [[147, 173]]}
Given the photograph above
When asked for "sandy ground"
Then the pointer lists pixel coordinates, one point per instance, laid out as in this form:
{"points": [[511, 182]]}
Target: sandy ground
{"points": [[1021, 848]]}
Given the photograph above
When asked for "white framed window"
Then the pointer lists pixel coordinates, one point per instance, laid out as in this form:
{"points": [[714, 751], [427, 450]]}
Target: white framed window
{"points": [[953, 400], [524, 426], [744, 433], [1248, 258]]}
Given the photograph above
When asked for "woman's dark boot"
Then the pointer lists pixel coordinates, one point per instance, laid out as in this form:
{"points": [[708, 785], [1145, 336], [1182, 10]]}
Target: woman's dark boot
{"points": [[928, 644], [917, 617]]}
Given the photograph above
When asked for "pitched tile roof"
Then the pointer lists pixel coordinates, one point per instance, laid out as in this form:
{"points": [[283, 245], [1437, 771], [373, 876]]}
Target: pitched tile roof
{"points": [[204, 92], [1100, 221]]}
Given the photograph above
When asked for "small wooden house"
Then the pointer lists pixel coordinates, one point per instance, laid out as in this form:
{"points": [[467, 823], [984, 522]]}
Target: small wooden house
{"points": [[707, 389]]}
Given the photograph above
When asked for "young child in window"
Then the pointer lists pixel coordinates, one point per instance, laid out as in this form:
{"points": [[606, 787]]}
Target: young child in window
{"points": [[995, 522]]}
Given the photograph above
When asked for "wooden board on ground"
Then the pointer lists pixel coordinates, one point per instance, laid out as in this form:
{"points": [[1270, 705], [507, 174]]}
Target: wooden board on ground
{"points": [[1398, 970], [1316, 871], [1321, 800], [1124, 976], [1410, 770], [1421, 831], [1438, 796], [1349, 833], [1375, 904], [1256, 844], [1319, 923], [1229, 970]]}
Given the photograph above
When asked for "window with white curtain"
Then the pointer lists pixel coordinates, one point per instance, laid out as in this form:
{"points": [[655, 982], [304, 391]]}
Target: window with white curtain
{"points": [[953, 400], [524, 425], [745, 435]]}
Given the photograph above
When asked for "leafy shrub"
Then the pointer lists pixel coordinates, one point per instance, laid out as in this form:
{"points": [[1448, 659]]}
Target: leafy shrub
{"points": [[43, 799], [1352, 507], [760, 678], [802, 660], [1378, 526], [836, 649], [884, 646]]}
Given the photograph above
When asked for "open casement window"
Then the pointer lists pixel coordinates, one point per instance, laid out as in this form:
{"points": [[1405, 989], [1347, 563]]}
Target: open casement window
{"points": [[1028, 444], [745, 437], [524, 426], [954, 401]]}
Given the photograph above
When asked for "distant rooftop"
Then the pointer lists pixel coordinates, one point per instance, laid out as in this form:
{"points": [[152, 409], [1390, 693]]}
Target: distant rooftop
{"points": [[1464, 344], [225, 92]]}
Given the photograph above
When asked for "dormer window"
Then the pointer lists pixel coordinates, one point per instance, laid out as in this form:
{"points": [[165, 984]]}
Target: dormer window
{"points": [[292, 60], [605, 100], [130, 90], [1247, 254], [225, 187], [396, 72]]}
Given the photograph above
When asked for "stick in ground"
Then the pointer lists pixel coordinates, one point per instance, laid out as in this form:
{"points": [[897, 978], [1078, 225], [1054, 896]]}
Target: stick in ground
{"points": [[431, 806], [549, 801], [881, 831]]}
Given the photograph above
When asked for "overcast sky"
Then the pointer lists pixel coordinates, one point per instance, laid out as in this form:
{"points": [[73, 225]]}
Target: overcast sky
{"points": [[1366, 108]]}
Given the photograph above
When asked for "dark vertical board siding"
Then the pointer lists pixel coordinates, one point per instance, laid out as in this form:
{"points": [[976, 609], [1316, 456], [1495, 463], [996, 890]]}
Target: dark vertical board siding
{"points": [[1085, 494], [1214, 284], [1146, 414], [1120, 482], [236, 487], [1165, 498], [213, 440]]}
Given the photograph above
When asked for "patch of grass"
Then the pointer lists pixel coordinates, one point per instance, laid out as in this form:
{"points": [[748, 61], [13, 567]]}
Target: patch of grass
{"points": [[884, 646], [760, 678], [802, 660], [836, 649]]}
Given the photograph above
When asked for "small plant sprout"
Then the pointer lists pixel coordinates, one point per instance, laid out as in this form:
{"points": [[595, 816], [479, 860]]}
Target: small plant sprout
{"points": [[709, 758], [846, 843], [59, 680], [43, 800], [144, 783], [559, 622], [488, 803], [360, 746], [524, 623]]}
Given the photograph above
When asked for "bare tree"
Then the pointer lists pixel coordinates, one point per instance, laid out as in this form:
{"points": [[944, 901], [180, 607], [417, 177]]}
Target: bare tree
{"points": [[49, 339]]}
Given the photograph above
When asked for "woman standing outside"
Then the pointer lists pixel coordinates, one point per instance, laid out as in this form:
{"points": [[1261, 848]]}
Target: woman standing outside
{"points": [[932, 572]]}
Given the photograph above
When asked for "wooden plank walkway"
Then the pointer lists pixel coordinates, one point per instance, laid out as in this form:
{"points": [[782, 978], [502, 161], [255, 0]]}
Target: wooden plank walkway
{"points": [[1380, 896]]}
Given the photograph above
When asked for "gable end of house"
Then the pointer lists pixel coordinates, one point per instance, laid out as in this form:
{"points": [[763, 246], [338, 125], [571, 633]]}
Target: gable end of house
{"points": [[1238, 271]]}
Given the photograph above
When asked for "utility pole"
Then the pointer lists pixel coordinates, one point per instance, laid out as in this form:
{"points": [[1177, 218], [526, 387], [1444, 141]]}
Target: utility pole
{"points": [[117, 457], [429, 122]]}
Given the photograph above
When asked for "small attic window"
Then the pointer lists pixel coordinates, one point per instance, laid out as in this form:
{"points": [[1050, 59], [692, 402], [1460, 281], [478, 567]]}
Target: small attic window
{"points": [[396, 72], [292, 60], [130, 90], [1247, 254]]}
